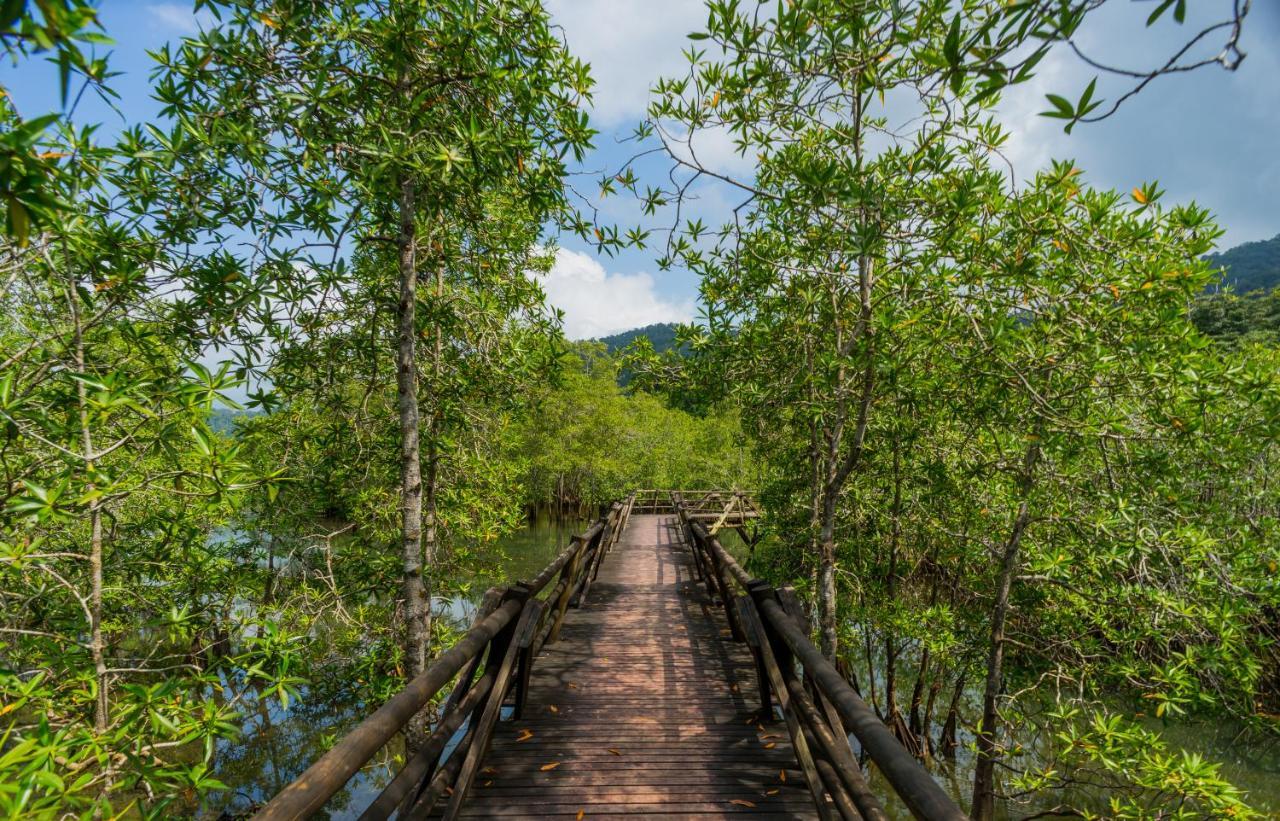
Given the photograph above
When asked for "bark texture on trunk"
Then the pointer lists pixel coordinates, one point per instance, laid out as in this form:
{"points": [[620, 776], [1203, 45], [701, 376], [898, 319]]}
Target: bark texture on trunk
{"points": [[413, 591], [827, 577], [948, 740], [983, 808], [97, 642]]}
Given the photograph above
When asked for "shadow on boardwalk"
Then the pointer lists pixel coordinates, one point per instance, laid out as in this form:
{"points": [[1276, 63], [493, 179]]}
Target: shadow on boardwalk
{"points": [[645, 706]]}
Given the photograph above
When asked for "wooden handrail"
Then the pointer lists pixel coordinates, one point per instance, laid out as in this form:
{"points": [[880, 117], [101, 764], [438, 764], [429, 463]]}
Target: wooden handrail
{"points": [[313, 788], [495, 657], [511, 626], [779, 641]]}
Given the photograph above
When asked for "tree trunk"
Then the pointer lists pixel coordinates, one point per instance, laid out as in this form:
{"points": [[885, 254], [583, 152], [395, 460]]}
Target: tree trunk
{"points": [[984, 767], [948, 740], [827, 577], [891, 584], [918, 726], [917, 693], [97, 644], [413, 592], [871, 669], [926, 740], [431, 517]]}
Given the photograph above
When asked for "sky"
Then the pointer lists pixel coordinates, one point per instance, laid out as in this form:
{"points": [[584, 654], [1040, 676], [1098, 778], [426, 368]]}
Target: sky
{"points": [[1210, 136]]}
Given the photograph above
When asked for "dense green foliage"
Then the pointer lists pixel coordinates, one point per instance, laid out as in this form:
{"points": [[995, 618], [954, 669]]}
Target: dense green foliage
{"points": [[993, 447], [999, 453], [1239, 320], [588, 442]]}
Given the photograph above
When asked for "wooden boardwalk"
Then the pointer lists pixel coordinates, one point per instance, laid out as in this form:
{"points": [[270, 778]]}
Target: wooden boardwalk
{"points": [[645, 706]]}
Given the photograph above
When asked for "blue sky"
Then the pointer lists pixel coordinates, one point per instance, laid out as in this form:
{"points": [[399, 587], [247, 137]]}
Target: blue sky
{"points": [[1212, 136]]}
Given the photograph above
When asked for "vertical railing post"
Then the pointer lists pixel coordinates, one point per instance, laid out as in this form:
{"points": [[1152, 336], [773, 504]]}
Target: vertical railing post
{"points": [[502, 659], [779, 666], [690, 538], [596, 556], [567, 575], [722, 585], [754, 638]]}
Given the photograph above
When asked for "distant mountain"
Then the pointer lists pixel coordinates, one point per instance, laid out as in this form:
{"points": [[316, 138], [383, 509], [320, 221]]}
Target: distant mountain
{"points": [[662, 336], [1249, 267], [223, 420]]}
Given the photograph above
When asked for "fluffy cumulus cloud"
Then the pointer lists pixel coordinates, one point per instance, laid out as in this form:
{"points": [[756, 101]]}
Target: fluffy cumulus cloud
{"points": [[629, 44], [598, 303]]}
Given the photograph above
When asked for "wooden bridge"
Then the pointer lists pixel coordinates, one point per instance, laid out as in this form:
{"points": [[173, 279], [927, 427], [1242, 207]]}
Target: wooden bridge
{"points": [[655, 677]]}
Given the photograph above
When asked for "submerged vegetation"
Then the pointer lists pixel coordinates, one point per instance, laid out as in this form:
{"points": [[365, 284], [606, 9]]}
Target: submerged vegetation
{"points": [[1017, 460]]}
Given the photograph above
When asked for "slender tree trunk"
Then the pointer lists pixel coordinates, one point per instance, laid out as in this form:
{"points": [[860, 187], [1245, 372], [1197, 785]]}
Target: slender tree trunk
{"points": [[815, 499], [97, 644], [984, 768], [431, 517], [917, 725], [269, 588], [948, 740], [895, 539], [416, 606], [917, 693], [97, 641], [926, 741], [827, 576], [871, 668]]}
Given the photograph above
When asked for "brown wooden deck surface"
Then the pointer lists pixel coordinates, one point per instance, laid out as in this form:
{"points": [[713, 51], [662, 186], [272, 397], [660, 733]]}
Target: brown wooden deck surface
{"points": [[645, 706]]}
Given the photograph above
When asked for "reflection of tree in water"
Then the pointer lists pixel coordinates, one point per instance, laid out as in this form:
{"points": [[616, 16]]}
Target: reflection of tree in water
{"points": [[279, 744]]}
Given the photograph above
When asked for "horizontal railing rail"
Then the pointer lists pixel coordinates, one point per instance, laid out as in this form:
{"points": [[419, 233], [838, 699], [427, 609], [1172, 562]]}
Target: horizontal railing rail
{"points": [[492, 661], [820, 707]]}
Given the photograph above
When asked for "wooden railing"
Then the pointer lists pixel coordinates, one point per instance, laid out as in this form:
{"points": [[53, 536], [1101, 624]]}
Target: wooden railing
{"points": [[821, 708], [651, 501], [491, 662]]}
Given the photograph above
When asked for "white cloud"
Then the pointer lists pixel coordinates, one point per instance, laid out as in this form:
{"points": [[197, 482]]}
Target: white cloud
{"points": [[180, 18], [1035, 140], [715, 148], [629, 44], [597, 303]]}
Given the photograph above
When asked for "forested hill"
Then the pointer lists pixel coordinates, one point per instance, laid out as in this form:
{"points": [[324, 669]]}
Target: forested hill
{"points": [[1251, 312], [1250, 267], [662, 336]]}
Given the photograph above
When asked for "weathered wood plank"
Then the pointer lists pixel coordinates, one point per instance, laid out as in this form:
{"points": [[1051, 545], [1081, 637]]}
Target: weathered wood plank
{"points": [[645, 706]]}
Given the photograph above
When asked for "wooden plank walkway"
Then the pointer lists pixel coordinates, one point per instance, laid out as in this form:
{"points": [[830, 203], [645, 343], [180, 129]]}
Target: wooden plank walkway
{"points": [[645, 706]]}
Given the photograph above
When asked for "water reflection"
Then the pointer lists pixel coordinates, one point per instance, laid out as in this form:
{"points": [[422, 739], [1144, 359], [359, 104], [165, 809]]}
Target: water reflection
{"points": [[279, 743]]}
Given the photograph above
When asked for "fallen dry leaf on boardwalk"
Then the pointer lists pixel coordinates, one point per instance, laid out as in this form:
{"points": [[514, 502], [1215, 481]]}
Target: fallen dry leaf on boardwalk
{"points": [[550, 766], [525, 735], [742, 803], [615, 751]]}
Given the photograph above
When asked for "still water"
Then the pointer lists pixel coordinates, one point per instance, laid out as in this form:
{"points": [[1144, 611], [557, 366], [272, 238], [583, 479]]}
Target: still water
{"points": [[278, 743]]}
